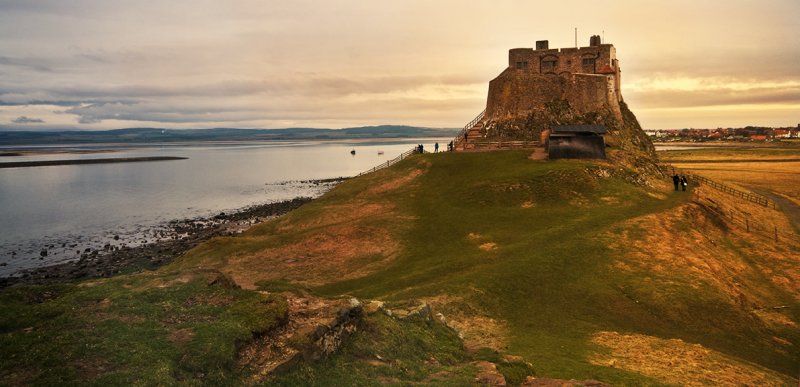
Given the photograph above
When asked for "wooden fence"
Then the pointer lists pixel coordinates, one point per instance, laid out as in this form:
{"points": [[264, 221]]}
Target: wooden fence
{"points": [[391, 162], [749, 196]]}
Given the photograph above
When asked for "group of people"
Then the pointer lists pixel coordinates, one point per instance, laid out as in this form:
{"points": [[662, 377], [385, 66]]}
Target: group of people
{"points": [[680, 181], [420, 149]]}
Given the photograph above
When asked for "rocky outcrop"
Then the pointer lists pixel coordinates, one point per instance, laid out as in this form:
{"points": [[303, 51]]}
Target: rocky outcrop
{"points": [[314, 329]]}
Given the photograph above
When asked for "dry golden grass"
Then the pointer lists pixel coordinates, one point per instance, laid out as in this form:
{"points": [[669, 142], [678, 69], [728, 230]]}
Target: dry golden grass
{"points": [[780, 177], [329, 242], [333, 254], [678, 362], [700, 252], [476, 328]]}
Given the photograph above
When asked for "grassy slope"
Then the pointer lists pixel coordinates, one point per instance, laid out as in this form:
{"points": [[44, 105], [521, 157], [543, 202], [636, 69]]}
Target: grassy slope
{"points": [[145, 329], [550, 278], [550, 275]]}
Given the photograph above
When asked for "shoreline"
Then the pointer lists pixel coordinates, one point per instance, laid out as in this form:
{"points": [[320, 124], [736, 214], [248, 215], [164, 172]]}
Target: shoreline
{"points": [[181, 236]]}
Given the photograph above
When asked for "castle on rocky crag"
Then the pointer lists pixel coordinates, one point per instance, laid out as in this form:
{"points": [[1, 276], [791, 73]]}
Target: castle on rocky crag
{"points": [[589, 76], [544, 87]]}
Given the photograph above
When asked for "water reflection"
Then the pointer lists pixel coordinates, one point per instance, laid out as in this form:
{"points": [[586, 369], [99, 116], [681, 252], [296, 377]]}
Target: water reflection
{"points": [[46, 205]]}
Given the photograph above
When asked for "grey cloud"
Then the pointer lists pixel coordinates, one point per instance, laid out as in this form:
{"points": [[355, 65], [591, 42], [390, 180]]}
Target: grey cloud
{"points": [[739, 65], [36, 64], [165, 113], [273, 108], [310, 86], [27, 120], [40, 102], [675, 98]]}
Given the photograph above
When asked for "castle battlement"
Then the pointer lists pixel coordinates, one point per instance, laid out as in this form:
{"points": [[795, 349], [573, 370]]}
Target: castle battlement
{"points": [[587, 77], [597, 58]]}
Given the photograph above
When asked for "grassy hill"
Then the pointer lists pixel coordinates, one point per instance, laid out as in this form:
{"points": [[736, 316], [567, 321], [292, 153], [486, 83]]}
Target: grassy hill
{"points": [[584, 269], [551, 261]]}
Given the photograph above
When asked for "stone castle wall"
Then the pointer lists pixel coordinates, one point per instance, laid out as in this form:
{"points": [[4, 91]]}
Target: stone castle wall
{"points": [[515, 93]]}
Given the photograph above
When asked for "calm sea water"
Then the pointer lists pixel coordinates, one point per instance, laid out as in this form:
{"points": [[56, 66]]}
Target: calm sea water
{"points": [[84, 204]]}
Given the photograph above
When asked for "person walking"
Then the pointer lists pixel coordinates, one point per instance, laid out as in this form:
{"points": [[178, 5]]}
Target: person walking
{"points": [[684, 182], [436, 148], [676, 181]]}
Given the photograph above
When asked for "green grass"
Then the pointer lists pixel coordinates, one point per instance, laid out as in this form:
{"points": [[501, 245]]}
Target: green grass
{"points": [[130, 330], [550, 277]]}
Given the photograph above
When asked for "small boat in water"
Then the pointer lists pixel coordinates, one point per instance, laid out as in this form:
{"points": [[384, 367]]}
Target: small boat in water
{"points": [[380, 153]]}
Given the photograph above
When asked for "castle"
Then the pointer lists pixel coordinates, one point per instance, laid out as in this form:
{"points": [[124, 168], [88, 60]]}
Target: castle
{"points": [[543, 87], [588, 77]]}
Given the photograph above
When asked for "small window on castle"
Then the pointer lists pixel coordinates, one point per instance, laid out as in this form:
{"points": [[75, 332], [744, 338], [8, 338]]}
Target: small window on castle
{"points": [[549, 65], [588, 61], [522, 65]]}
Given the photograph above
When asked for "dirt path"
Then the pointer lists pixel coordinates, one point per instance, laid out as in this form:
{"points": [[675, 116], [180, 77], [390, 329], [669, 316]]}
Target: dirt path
{"points": [[790, 208]]}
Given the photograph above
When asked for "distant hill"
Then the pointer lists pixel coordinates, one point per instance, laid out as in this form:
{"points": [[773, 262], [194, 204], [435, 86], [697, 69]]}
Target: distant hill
{"points": [[218, 134]]}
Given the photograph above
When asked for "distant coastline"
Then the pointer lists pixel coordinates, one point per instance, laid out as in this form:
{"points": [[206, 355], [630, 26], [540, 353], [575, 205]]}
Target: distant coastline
{"points": [[43, 163], [157, 135]]}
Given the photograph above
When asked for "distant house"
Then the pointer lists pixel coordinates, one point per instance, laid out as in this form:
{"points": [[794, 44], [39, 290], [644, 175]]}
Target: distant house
{"points": [[576, 142]]}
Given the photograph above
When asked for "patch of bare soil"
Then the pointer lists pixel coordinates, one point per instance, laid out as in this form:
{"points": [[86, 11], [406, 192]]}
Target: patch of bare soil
{"points": [[488, 246], [488, 375], [677, 362], [339, 214], [282, 348], [481, 241], [334, 253], [181, 336], [539, 153], [395, 183], [609, 200]]}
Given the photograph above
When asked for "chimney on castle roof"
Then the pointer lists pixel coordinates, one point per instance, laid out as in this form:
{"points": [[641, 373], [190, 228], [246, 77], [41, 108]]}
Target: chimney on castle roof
{"points": [[542, 45], [594, 41]]}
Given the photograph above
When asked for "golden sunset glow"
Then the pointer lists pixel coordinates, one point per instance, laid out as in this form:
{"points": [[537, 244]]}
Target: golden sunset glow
{"points": [[264, 64]]}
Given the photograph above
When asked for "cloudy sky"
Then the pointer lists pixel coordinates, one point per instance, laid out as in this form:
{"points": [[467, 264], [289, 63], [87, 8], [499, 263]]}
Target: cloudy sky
{"points": [[84, 64]]}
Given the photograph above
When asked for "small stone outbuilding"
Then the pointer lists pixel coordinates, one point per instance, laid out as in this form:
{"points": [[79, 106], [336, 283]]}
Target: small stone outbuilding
{"points": [[576, 142]]}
